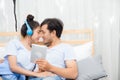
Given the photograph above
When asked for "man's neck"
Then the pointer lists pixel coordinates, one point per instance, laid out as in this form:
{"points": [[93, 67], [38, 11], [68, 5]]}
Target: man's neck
{"points": [[55, 42]]}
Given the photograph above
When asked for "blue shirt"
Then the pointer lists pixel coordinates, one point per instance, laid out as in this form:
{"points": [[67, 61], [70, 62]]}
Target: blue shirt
{"points": [[59, 54], [16, 48]]}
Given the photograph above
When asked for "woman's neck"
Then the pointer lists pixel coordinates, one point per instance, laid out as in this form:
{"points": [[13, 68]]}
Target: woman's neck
{"points": [[27, 42]]}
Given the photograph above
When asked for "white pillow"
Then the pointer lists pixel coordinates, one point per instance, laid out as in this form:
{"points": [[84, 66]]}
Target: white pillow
{"points": [[83, 51]]}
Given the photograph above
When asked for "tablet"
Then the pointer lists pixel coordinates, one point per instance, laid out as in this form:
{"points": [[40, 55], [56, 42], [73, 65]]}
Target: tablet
{"points": [[38, 52]]}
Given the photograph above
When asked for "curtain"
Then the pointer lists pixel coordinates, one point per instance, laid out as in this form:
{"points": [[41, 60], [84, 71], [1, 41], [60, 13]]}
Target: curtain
{"points": [[7, 21]]}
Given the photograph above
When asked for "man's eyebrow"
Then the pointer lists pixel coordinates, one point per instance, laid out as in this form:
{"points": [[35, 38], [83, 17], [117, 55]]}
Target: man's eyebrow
{"points": [[41, 31]]}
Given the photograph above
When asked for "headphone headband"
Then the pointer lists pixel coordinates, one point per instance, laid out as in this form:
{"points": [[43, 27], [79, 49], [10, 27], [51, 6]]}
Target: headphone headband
{"points": [[29, 30]]}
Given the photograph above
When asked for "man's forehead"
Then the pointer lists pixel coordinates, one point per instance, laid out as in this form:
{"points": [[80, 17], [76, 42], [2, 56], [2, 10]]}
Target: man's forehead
{"points": [[44, 26]]}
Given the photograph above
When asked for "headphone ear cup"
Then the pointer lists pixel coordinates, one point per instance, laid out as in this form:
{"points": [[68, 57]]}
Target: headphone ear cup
{"points": [[29, 30]]}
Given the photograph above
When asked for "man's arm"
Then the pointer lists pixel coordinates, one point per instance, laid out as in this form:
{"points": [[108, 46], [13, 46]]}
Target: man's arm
{"points": [[69, 72]]}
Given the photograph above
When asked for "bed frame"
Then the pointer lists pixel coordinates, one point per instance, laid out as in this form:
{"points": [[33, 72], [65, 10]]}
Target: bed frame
{"points": [[88, 32], [5, 35], [78, 32]]}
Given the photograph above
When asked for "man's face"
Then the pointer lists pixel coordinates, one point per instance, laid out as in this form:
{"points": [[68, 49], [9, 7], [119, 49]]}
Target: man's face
{"points": [[46, 35]]}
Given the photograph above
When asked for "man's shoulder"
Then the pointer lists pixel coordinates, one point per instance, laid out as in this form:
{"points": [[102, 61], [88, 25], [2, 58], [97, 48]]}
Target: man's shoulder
{"points": [[66, 45], [62, 46]]}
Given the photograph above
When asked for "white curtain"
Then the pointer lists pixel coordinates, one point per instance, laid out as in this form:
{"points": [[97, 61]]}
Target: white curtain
{"points": [[103, 16], [7, 21]]}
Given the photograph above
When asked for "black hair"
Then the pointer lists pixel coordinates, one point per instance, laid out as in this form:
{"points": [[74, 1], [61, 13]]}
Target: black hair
{"points": [[33, 25], [54, 24]]}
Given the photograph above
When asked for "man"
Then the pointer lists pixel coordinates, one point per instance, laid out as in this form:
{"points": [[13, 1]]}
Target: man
{"points": [[60, 58]]}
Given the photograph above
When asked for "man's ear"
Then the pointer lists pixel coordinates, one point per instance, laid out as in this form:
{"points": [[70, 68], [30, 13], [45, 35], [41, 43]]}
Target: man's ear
{"points": [[54, 32]]}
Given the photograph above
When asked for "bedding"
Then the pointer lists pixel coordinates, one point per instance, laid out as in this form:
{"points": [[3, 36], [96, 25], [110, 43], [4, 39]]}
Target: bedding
{"points": [[91, 68], [83, 51]]}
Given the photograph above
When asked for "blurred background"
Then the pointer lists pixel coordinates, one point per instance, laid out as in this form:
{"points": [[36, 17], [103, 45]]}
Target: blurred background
{"points": [[103, 16]]}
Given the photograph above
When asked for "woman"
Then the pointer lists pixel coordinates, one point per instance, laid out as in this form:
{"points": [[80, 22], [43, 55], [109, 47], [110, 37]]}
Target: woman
{"points": [[17, 60]]}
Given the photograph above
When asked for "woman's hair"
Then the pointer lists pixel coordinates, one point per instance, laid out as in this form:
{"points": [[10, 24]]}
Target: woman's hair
{"points": [[32, 24]]}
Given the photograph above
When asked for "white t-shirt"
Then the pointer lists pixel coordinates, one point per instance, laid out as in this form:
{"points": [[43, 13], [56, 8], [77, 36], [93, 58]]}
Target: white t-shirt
{"points": [[59, 54], [16, 48]]}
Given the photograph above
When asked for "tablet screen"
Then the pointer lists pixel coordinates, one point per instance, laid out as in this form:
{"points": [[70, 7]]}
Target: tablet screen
{"points": [[38, 52]]}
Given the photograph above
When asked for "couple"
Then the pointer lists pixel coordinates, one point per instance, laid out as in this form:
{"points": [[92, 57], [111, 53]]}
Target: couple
{"points": [[59, 64]]}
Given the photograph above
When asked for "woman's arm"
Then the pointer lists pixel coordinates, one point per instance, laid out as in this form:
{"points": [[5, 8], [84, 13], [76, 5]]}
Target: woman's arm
{"points": [[15, 68]]}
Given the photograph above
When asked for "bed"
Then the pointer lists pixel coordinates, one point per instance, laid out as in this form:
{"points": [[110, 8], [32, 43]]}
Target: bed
{"points": [[89, 66]]}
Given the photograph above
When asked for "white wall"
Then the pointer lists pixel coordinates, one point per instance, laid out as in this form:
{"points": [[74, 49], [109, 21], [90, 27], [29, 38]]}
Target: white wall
{"points": [[107, 41]]}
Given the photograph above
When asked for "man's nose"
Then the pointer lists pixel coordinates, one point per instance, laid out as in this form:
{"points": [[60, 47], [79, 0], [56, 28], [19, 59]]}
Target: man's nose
{"points": [[41, 34]]}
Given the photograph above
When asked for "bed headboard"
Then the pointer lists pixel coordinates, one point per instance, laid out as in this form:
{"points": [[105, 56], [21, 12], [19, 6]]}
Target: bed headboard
{"points": [[85, 35], [6, 36], [79, 36]]}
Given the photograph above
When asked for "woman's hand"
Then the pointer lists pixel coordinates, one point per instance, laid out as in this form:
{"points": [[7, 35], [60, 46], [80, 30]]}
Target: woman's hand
{"points": [[1, 60], [44, 74]]}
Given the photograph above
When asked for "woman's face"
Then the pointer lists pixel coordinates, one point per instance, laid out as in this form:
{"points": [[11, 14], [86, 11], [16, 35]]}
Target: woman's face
{"points": [[36, 35]]}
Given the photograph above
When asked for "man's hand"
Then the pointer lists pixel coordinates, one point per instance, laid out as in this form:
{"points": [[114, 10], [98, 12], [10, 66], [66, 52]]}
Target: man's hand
{"points": [[43, 64], [70, 71]]}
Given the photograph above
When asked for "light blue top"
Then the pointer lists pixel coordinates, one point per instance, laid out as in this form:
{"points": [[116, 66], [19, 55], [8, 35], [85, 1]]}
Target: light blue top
{"points": [[59, 54], [16, 48]]}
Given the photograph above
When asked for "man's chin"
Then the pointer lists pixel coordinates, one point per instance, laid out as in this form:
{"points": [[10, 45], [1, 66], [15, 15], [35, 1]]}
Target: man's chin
{"points": [[47, 44], [37, 41]]}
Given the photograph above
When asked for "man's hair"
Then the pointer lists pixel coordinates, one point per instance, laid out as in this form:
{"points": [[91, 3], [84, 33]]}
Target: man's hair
{"points": [[54, 24]]}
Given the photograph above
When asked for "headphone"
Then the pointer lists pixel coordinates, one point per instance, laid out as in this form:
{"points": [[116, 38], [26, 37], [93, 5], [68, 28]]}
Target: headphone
{"points": [[29, 30]]}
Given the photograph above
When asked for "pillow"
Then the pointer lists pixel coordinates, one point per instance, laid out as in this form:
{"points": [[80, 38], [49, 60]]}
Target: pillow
{"points": [[83, 51], [91, 68]]}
